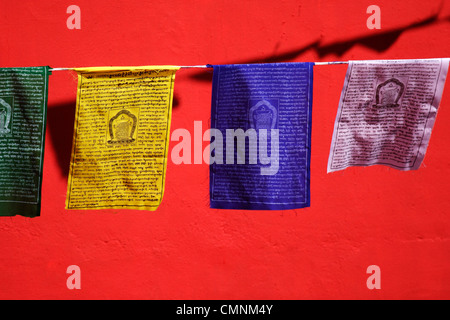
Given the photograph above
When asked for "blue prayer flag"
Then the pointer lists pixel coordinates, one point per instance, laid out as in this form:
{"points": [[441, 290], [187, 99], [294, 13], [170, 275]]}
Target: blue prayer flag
{"points": [[261, 136]]}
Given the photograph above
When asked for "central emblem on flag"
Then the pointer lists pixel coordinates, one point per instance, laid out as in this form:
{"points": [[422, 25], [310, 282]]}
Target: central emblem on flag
{"points": [[389, 93], [5, 114], [263, 115], [122, 126]]}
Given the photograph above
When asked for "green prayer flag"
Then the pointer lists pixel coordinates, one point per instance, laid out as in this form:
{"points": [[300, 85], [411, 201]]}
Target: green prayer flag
{"points": [[23, 112]]}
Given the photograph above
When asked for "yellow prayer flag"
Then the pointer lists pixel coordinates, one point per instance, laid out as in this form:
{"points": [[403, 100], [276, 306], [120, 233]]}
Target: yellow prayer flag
{"points": [[121, 137]]}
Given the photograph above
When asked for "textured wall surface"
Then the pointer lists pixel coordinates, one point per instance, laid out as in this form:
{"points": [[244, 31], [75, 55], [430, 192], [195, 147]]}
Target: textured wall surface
{"points": [[358, 217]]}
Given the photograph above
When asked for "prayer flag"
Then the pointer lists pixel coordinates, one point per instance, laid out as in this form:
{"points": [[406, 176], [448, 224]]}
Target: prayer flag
{"points": [[386, 113], [261, 136], [121, 137], [23, 110]]}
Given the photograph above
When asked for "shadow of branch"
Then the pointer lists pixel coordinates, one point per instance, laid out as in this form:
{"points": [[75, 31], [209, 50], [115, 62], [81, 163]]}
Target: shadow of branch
{"points": [[379, 42]]}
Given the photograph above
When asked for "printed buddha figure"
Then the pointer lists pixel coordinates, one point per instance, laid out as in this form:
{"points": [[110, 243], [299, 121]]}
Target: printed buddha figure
{"points": [[122, 127], [5, 116], [389, 93], [263, 116]]}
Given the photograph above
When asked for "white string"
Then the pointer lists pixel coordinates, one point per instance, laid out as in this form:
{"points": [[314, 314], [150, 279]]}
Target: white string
{"points": [[198, 66], [330, 62], [210, 66], [326, 63]]}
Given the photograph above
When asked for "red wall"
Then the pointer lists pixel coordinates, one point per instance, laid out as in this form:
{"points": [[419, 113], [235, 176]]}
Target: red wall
{"points": [[184, 250]]}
